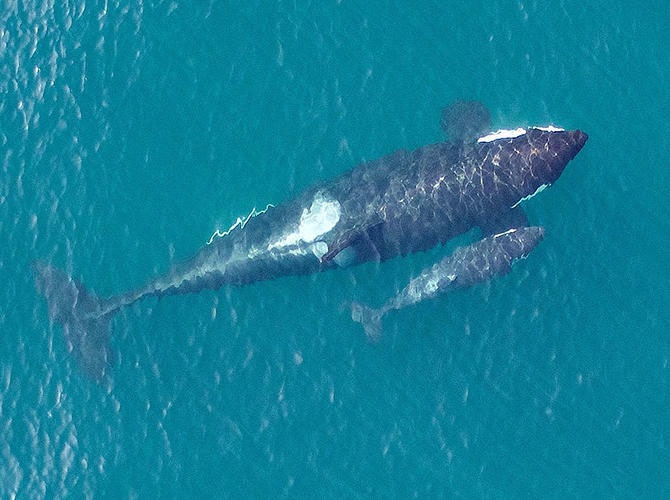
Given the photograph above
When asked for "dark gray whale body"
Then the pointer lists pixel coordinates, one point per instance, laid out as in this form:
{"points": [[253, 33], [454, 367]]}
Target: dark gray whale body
{"points": [[402, 203], [466, 266]]}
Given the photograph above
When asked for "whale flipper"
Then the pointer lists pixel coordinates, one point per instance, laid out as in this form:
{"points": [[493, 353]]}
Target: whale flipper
{"points": [[465, 121], [359, 240], [79, 312]]}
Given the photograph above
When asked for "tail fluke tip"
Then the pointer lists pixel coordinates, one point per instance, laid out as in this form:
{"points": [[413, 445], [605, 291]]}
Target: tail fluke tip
{"points": [[78, 311], [370, 318]]}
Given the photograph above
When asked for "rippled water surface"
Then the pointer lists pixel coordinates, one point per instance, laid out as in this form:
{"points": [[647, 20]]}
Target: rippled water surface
{"points": [[130, 131]]}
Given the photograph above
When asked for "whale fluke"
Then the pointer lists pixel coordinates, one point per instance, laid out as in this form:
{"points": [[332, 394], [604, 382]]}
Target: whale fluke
{"points": [[370, 318], [80, 313]]}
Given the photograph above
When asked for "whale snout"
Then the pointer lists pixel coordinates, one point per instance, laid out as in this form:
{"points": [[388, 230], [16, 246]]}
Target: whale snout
{"points": [[579, 138], [563, 146], [567, 143]]}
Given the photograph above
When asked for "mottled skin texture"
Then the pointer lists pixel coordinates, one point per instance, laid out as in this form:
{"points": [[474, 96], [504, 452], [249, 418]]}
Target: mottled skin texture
{"points": [[402, 203], [466, 266]]}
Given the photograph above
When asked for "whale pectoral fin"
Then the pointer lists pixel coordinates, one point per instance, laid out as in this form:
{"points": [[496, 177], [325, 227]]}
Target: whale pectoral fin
{"points": [[358, 241], [339, 245], [515, 218], [465, 121]]}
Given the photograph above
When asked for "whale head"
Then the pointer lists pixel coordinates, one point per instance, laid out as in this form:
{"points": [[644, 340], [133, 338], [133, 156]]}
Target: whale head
{"points": [[533, 158]]}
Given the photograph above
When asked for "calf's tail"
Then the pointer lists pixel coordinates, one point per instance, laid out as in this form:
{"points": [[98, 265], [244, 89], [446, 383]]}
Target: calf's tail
{"points": [[370, 318]]}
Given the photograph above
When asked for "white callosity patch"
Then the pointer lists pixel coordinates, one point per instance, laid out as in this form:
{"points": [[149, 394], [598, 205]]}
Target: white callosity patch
{"points": [[550, 128], [509, 231], [517, 132], [322, 216], [514, 230], [502, 134]]}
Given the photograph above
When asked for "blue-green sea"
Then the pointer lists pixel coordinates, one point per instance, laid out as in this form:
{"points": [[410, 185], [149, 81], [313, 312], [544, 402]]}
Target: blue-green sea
{"points": [[131, 130]]}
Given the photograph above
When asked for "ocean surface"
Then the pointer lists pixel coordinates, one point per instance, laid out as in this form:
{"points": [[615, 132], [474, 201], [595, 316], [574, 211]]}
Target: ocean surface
{"points": [[131, 130]]}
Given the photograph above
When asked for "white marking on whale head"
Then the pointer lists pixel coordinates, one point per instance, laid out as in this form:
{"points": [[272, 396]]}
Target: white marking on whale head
{"points": [[502, 134], [538, 190], [322, 216], [509, 231], [550, 128], [517, 132]]}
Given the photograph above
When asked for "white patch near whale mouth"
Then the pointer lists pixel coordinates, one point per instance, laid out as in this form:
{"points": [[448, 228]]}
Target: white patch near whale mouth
{"points": [[550, 128], [509, 231], [517, 132], [322, 216], [502, 134], [525, 198]]}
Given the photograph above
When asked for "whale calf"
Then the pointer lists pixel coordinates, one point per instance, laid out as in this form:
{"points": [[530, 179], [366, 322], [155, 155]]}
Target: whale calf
{"points": [[466, 266], [405, 202]]}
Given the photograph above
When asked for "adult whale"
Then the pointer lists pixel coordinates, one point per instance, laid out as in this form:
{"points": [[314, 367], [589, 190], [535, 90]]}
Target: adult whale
{"points": [[405, 202]]}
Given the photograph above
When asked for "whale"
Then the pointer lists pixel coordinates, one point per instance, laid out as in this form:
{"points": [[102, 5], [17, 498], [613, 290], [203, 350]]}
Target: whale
{"points": [[464, 267], [401, 203]]}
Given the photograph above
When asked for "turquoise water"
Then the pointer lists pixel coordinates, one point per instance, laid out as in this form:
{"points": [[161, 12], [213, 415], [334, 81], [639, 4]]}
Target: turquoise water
{"points": [[130, 131]]}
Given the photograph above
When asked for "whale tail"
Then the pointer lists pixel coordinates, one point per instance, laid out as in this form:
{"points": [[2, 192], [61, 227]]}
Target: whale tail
{"points": [[370, 318], [80, 313]]}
